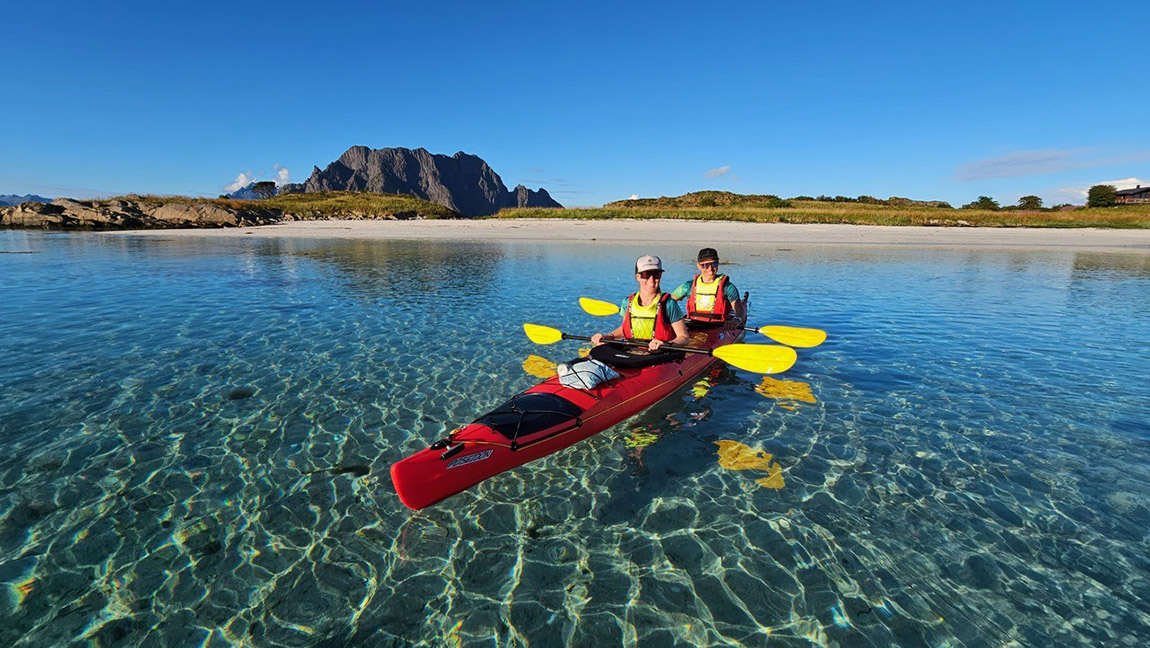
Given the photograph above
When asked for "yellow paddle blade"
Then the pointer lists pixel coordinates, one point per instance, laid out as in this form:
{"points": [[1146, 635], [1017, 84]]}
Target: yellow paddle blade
{"points": [[539, 367], [792, 336], [759, 358], [542, 334], [596, 307]]}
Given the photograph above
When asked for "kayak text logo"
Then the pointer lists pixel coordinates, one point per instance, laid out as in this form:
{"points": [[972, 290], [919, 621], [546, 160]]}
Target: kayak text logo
{"points": [[469, 459]]}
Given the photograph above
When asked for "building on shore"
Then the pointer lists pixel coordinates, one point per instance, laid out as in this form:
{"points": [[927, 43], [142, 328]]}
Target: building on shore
{"points": [[1133, 196]]}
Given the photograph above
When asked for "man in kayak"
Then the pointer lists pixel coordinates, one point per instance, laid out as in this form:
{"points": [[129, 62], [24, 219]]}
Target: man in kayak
{"points": [[711, 297], [649, 313]]}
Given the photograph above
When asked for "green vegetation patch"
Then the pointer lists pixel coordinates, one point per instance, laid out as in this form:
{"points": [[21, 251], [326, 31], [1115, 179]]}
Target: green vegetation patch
{"points": [[352, 205], [1126, 217], [704, 199]]}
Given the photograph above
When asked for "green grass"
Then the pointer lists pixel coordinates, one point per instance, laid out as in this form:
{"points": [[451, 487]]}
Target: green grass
{"points": [[801, 211], [313, 206], [708, 205], [350, 204], [701, 199]]}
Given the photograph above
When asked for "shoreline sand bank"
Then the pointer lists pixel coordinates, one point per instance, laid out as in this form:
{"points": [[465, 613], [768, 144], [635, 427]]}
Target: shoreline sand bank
{"points": [[674, 231]]}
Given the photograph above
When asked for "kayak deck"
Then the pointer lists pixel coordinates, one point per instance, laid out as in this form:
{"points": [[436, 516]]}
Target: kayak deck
{"points": [[541, 420]]}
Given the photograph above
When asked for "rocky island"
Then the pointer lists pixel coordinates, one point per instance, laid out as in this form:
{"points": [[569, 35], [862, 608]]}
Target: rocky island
{"points": [[462, 183]]}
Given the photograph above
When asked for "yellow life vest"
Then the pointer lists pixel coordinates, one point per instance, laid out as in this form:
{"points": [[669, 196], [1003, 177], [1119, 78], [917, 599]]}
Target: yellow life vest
{"points": [[643, 317], [705, 294]]}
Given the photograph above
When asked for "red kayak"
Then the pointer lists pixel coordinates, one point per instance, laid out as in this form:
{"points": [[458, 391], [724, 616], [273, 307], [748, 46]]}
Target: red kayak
{"points": [[545, 419]]}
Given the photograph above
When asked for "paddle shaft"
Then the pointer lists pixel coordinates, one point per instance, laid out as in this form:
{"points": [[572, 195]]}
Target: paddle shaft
{"points": [[635, 343]]}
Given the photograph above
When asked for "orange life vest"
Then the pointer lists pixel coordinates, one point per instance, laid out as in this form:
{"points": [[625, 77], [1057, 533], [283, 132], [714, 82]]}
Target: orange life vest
{"points": [[720, 309], [662, 328]]}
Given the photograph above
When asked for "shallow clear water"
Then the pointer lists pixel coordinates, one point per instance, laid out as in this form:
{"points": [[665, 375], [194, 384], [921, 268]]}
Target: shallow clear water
{"points": [[973, 470]]}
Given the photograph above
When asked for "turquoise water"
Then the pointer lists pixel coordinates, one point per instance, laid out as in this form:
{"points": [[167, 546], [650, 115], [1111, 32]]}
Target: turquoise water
{"points": [[973, 470]]}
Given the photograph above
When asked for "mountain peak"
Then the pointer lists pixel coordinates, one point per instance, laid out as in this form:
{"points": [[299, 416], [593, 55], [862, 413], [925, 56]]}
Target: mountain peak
{"points": [[462, 182], [13, 199]]}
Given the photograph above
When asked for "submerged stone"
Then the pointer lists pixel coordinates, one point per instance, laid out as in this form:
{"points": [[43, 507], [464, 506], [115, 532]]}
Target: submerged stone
{"points": [[241, 392]]}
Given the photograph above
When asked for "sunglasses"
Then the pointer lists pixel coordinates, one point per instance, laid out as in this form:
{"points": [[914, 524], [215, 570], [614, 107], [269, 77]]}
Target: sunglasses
{"points": [[709, 264], [647, 274]]}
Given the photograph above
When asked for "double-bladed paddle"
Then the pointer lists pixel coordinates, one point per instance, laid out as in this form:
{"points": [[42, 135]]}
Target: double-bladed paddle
{"points": [[759, 358], [788, 335]]}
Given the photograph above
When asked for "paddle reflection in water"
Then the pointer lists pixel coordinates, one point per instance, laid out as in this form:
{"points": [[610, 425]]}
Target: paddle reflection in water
{"points": [[539, 367], [666, 444], [737, 456], [789, 391]]}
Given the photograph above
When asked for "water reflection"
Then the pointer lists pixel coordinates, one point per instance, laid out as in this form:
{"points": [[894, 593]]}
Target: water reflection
{"points": [[197, 436], [1093, 265], [416, 270]]}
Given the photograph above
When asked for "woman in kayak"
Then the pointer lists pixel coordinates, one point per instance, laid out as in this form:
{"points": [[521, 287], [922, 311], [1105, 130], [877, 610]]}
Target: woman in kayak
{"points": [[649, 314]]}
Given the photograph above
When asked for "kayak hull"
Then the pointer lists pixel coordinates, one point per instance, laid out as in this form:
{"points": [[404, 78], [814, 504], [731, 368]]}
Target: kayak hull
{"points": [[542, 420]]}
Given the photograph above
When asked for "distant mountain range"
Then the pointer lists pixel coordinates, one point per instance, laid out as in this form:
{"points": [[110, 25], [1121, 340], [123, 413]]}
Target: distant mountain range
{"points": [[461, 182], [13, 199], [249, 192]]}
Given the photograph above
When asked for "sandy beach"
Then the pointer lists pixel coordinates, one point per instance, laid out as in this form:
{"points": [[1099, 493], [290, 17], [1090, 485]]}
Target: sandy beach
{"points": [[673, 231]]}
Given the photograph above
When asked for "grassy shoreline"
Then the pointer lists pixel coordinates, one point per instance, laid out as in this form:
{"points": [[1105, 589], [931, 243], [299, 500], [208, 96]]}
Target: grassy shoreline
{"points": [[319, 205], [751, 209], [815, 212]]}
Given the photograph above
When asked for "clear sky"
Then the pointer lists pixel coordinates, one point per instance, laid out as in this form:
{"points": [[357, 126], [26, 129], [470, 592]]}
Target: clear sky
{"points": [[595, 101]]}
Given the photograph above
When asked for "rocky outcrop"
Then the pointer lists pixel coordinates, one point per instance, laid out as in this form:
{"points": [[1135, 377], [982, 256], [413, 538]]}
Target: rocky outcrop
{"points": [[463, 183], [64, 213]]}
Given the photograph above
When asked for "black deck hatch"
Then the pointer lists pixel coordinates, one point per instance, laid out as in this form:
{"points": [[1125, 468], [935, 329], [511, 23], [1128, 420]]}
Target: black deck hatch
{"points": [[526, 414]]}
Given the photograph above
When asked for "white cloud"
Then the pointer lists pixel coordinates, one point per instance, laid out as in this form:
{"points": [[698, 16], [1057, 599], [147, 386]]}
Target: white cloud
{"points": [[1019, 163], [634, 197], [241, 181], [283, 176], [1125, 183], [721, 171], [1045, 161]]}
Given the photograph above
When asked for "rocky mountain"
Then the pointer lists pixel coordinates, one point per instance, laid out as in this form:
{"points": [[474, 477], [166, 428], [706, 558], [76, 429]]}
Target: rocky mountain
{"points": [[461, 182], [254, 191], [13, 199]]}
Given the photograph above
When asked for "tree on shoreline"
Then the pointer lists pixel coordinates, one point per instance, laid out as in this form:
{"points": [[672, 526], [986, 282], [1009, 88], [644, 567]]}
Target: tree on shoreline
{"points": [[1102, 196], [983, 202], [1030, 203]]}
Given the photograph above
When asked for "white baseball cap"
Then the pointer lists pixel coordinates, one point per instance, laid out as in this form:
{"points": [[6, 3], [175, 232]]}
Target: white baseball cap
{"points": [[648, 262]]}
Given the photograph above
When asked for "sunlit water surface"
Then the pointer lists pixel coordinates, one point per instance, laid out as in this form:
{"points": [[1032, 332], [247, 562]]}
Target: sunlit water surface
{"points": [[965, 462]]}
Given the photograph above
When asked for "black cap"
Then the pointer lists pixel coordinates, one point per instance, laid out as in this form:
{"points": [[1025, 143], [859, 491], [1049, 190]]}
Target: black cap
{"points": [[708, 254]]}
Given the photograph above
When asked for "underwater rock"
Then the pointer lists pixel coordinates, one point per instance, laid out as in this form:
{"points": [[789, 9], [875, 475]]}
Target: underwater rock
{"points": [[359, 470], [241, 392]]}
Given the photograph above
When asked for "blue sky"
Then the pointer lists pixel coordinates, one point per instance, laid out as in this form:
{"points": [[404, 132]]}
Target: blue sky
{"points": [[594, 101]]}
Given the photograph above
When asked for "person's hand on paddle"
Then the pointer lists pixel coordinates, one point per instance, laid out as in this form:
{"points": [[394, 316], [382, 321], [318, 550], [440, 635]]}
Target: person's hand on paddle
{"points": [[597, 339], [654, 345]]}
